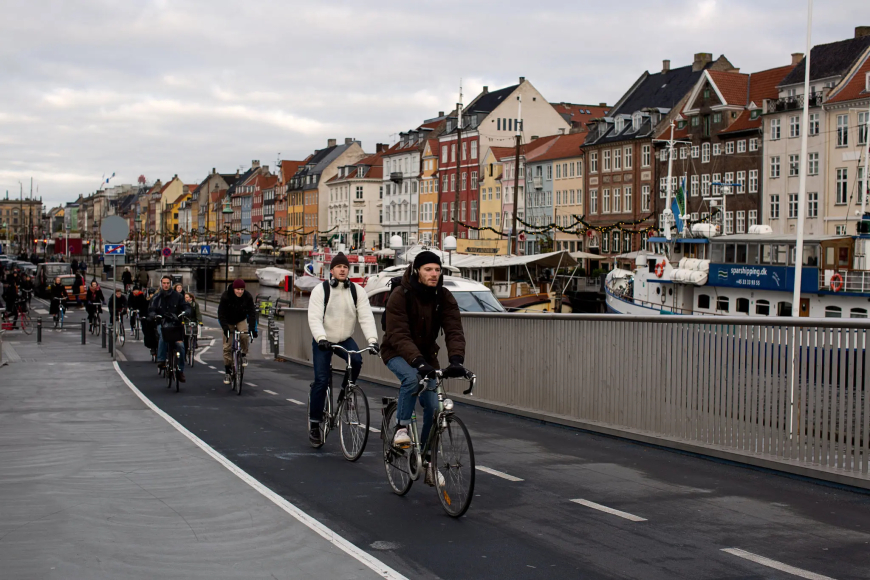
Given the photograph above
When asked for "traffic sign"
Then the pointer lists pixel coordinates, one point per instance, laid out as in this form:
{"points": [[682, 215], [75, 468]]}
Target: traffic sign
{"points": [[115, 229], [205, 250], [166, 252], [113, 249], [522, 236]]}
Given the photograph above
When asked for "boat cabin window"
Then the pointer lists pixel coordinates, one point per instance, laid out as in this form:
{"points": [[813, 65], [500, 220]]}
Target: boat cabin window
{"points": [[762, 308], [703, 301], [722, 304], [765, 254], [740, 257], [859, 313], [729, 253], [752, 254], [742, 305], [780, 254], [783, 309], [836, 257], [718, 254], [833, 312], [811, 255]]}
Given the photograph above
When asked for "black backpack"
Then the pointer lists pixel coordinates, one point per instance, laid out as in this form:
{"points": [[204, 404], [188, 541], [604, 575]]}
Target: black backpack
{"points": [[326, 295]]}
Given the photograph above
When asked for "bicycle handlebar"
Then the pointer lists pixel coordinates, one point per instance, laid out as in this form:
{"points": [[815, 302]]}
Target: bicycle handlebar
{"points": [[439, 374], [338, 346]]}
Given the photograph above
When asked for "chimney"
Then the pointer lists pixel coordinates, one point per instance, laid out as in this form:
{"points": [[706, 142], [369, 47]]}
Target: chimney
{"points": [[522, 80], [666, 66], [440, 113], [796, 57], [602, 104], [213, 171], [265, 169], [255, 164], [348, 140], [485, 89], [862, 31], [701, 60], [534, 137], [380, 147]]}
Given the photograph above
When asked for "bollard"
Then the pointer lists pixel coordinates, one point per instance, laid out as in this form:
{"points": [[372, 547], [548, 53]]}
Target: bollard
{"points": [[111, 340], [39, 330], [84, 331], [103, 333]]}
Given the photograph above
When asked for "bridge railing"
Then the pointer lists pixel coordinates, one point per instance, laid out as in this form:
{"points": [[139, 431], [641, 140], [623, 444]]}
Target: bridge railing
{"points": [[718, 386]]}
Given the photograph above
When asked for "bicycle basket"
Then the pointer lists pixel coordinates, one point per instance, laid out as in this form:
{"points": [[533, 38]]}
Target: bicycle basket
{"points": [[173, 333]]}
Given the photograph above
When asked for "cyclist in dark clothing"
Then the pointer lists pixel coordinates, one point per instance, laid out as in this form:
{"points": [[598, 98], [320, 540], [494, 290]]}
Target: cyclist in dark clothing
{"points": [[139, 303], [94, 300], [170, 305], [236, 311], [58, 296]]}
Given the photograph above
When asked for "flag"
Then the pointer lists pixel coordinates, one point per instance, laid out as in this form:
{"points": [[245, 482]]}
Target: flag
{"points": [[678, 206]]}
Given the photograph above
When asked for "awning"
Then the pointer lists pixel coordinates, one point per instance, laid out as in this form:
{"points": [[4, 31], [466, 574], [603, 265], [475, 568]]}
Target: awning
{"points": [[587, 256], [307, 248], [291, 249], [549, 260], [386, 252]]}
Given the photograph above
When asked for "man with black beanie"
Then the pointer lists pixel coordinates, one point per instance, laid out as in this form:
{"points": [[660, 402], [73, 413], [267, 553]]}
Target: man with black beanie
{"points": [[236, 311], [415, 315]]}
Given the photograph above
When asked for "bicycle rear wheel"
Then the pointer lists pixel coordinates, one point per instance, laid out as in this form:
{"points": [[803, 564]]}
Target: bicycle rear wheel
{"points": [[176, 369], [453, 458], [396, 461], [353, 423], [24, 321], [170, 367], [122, 337], [237, 372]]}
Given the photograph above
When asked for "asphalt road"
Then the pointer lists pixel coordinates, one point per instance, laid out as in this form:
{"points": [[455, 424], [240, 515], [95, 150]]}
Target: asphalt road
{"points": [[642, 512]]}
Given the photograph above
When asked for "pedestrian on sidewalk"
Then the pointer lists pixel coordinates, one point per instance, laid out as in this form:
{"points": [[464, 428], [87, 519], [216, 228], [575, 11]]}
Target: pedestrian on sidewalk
{"points": [[236, 311], [333, 310]]}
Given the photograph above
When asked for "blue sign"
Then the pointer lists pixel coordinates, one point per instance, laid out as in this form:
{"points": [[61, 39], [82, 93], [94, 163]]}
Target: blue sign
{"points": [[113, 249], [205, 250], [762, 277]]}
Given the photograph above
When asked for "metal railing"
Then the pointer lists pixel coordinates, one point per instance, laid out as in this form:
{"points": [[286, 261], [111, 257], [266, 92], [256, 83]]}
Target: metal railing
{"points": [[718, 386], [793, 103], [857, 281]]}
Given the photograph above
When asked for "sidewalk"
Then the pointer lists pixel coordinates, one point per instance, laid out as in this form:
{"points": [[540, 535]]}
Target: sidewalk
{"points": [[94, 484]]}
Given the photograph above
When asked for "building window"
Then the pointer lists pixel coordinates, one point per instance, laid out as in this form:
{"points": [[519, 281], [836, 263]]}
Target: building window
{"points": [[833, 312], [605, 160], [842, 186], [774, 206], [644, 156], [741, 222], [861, 185], [359, 191], [644, 198], [840, 230], [605, 201], [753, 217], [794, 165], [684, 152], [774, 166], [705, 153], [617, 159], [703, 301], [474, 149], [741, 305], [813, 164], [762, 308], [792, 205], [695, 151], [862, 127], [693, 187], [593, 201], [705, 185], [774, 129], [729, 222], [753, 181], [814, 124], [721, 304], [794, 126], [626, 158], [615, 248], [842, 130], [626, 193], [473, 210], [812, 205], [741, 146], [717, 149], [858, 313], [753, 144], [729, 147]]}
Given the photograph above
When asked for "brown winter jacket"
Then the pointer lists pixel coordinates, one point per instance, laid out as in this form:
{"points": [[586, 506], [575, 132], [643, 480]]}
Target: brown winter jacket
{"points": [[413, 340]]}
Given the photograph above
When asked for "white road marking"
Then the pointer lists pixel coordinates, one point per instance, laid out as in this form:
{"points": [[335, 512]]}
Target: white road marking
{"points": [[41, 310], [295, 401], [266, 390], [496, 473], [211, 367], [202, 352], [603, 508], [253, 385], [775, 565], [373, 430], [329, 535]]}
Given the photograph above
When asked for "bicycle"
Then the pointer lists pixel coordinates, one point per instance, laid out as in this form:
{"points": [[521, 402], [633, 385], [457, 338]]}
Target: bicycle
{"points": [[172, 335], [450, 446], [351, 411], [23, 316], [120, 332], [237, 371], [134, 324], [191, 333], [96, 319], [61, 312]]}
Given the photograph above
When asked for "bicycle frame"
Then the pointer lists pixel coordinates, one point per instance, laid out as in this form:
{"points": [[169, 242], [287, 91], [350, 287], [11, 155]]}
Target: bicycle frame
{"points": [[347, 379]]}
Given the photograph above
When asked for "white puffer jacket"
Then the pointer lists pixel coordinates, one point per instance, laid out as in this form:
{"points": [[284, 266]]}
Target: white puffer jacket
{"points": [[341, 314]]}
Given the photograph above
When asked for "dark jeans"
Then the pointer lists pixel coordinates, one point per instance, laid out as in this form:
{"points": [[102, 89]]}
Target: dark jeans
{"points": [[321, 360], [407, 398]]}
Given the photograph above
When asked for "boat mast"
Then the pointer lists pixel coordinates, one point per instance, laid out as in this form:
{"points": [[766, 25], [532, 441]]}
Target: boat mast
{"points": [[458, 162], [514, 232], [866, 165], [667, 213]]}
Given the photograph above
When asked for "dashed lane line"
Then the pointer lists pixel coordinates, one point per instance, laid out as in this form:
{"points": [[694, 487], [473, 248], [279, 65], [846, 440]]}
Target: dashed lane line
{"points": [[497, 473], [212, 368], [267, 391], [611, 511], [253, 385], [775, 565], [325, 532], [373, 430], [41, 310], [296, 402]]}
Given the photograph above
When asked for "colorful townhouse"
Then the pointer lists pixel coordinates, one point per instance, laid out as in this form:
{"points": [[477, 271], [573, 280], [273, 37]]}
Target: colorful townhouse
{"points": [[355, 195], [427, 226]]}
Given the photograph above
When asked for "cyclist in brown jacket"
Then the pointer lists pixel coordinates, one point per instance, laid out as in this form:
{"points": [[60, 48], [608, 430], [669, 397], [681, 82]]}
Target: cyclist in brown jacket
{"points": [[416, 311]]}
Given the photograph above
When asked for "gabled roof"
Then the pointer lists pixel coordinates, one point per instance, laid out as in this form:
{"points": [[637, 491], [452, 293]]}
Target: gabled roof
{"points": [[828, 60], [855, 87], [578, 115], [732, 86], [487, 102], [509, 153], [432, 145], [375, 164], [659, 90], [562, 147], [289, 168], [762, 85]]}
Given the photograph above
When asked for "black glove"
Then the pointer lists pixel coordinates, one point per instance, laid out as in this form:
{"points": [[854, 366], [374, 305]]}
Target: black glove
{"points": [[424, 369], [226, 331], [254, 333], [455, 370], [323, 345], [374, 348]]}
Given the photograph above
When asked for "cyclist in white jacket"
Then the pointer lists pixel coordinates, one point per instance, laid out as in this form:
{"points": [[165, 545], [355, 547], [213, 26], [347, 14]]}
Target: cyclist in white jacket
{"points": [[333, 309]]}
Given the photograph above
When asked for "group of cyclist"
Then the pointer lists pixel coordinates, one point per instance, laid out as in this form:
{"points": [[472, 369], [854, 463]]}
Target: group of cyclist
{"points": [[419, 307], [17, 293]]}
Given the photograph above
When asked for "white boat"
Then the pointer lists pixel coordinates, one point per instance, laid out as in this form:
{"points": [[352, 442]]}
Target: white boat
{"points": [[272, 276], [745, 275], [305, 284]]}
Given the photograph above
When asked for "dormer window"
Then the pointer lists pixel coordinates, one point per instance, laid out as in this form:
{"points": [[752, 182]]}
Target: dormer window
{"points": [[635, 121], [620, 124], [754, 114], [867, 82], [361, 172]]}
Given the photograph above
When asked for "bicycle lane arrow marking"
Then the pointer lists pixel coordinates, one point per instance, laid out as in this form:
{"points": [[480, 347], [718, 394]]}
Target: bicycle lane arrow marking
{"points": [[202, 352]]}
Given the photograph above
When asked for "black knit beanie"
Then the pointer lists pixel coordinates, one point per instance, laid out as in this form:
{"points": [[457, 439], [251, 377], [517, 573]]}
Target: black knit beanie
{"points": [[339, 260], [426, 257]]}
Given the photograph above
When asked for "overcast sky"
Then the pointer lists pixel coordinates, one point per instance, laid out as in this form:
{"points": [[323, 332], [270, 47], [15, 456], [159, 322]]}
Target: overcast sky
{"points": [[160, 87]]}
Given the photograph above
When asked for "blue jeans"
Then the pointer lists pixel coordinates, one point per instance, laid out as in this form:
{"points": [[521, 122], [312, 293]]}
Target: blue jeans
{"points": [[407, 398], [322, 360], [161, 350]]}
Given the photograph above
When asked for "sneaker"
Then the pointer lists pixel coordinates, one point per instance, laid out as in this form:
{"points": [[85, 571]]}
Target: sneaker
{"points": [[244, 360], [401, 439], [227, 372], [161, 364], [430, 478], [314, 434], [181, 377]]}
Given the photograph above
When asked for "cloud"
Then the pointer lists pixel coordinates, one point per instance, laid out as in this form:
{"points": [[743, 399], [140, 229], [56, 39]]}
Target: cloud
{"points": [[158, 87]]}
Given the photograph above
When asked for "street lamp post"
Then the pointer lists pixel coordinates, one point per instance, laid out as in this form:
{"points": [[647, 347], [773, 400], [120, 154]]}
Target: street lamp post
{"points": [[138, 222], [227, 211]]}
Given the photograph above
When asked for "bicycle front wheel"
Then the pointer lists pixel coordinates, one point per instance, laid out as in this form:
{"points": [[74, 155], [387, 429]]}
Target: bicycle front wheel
{"points": [[24, 320], [237, 372], [170, 369], [122, 338], [353, 423], [453, 458], [397, 461]]}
